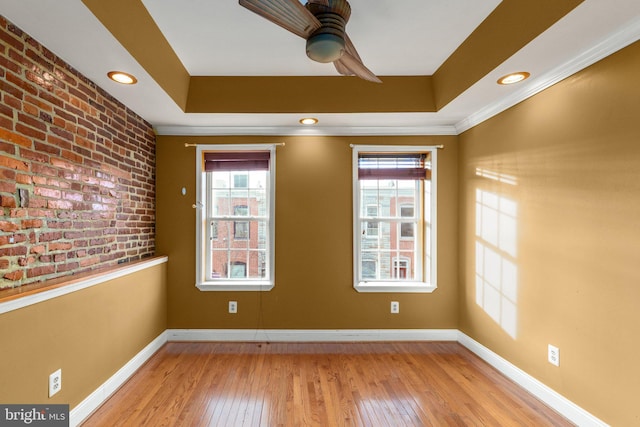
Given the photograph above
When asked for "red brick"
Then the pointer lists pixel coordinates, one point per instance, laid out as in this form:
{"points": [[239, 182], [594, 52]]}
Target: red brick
{"points": [[67, 267], [15, 138], [47, 192], [7, 187], [9, 226], [48, 237], [38, 249], [55, 100], [23, 179], [8, 148], [10, 65], [7, 201], [30, 132], [34, 156], [5, 122], [41, 271], [23, 262], [19, 213], [44, 170], [59, 163], [13, 163], [14, 275], [45, 106], [13, 251], [30, 109], [60, 246], [12, 41], [34, 122], [89, 261], [31, 223], [59, 204], [69, 155], [22, 84]]}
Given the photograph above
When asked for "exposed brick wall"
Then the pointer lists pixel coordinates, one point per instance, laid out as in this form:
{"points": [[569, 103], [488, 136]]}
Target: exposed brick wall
{"points": [[77, 169]]}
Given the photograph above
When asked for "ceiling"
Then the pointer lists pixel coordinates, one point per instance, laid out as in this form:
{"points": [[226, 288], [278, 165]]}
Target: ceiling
{"points": [[456, 48]]}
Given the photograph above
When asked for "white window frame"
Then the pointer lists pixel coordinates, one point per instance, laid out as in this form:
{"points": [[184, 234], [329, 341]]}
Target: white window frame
{"points": [[202, 234], [427, 282]]}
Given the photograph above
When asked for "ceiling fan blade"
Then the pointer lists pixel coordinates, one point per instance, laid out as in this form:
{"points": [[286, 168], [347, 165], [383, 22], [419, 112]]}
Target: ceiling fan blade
{"points": [[342, 69], [350, 48], [289, 14], [350, 64]]}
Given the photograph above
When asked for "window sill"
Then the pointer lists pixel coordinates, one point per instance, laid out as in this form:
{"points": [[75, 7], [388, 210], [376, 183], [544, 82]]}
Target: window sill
{"points": [[395, 287], [231, 285]]}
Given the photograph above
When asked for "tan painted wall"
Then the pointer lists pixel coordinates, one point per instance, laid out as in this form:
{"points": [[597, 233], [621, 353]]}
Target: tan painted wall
{"points": [[574, 152], [90, 334], [313, 288]]}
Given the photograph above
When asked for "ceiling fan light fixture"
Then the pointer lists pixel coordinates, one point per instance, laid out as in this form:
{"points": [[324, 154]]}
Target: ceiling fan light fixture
{"points": [[325, 47], [122, 77], [308, 121], [512, 78]]}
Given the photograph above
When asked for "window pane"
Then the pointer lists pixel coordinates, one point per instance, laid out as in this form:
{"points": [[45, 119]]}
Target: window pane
{"points": [[238, 269], [406, 229], [238, 246], [368, 269], [392, 218], [241, 180], [387, 247]]}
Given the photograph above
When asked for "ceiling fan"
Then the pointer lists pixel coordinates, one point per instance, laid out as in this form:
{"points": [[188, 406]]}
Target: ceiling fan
{"points": [[322, 24]]}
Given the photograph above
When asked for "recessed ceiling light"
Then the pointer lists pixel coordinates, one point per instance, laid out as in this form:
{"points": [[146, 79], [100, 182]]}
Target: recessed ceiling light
{"points": [[513, 78], [309, 121], [121, 77]]}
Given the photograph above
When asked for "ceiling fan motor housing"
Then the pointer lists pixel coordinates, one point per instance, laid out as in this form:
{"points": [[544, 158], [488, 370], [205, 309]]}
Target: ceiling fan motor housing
{"points": [[327, 44]]}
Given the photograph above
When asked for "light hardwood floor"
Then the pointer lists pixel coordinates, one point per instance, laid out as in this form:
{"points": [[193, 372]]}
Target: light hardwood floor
{"points": [[320, 384]]}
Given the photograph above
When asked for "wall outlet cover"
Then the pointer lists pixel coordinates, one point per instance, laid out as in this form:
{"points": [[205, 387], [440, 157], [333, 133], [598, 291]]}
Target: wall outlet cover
{"points": [[55, 382], [554, 355]]}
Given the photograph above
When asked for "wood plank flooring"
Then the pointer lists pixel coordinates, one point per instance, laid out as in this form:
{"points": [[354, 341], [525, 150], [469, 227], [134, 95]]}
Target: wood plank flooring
{"points": [[320, 384]]}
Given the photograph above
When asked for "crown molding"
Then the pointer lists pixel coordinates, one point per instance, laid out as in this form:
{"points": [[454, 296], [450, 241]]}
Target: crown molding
{"points": [[297, 131], [609, 45]]}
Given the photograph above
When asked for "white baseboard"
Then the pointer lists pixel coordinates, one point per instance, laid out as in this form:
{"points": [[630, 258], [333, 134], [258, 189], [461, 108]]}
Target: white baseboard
{"points": [[565, 407], [102, 393], [551, 398], [312, 335]]}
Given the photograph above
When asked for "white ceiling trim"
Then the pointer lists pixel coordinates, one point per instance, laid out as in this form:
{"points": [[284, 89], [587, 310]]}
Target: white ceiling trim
{"points": [[298, 131], [609, 45]]}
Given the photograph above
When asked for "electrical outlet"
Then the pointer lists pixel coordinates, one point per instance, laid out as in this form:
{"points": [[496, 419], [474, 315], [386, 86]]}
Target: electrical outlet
{"points": [[395, 307], [55, 382], [554, 355], [233, 307]]}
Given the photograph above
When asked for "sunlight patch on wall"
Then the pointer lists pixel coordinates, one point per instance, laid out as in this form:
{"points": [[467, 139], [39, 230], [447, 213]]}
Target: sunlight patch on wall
{"points": [[496, 255], [497, 176]]}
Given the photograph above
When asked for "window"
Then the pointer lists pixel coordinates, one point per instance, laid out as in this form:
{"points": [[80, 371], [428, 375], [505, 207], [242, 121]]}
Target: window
{"points": [[236, 189], [406, 228], [372, 226], [394, 187], [241, 228], [240, 180], [400, 267]]}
